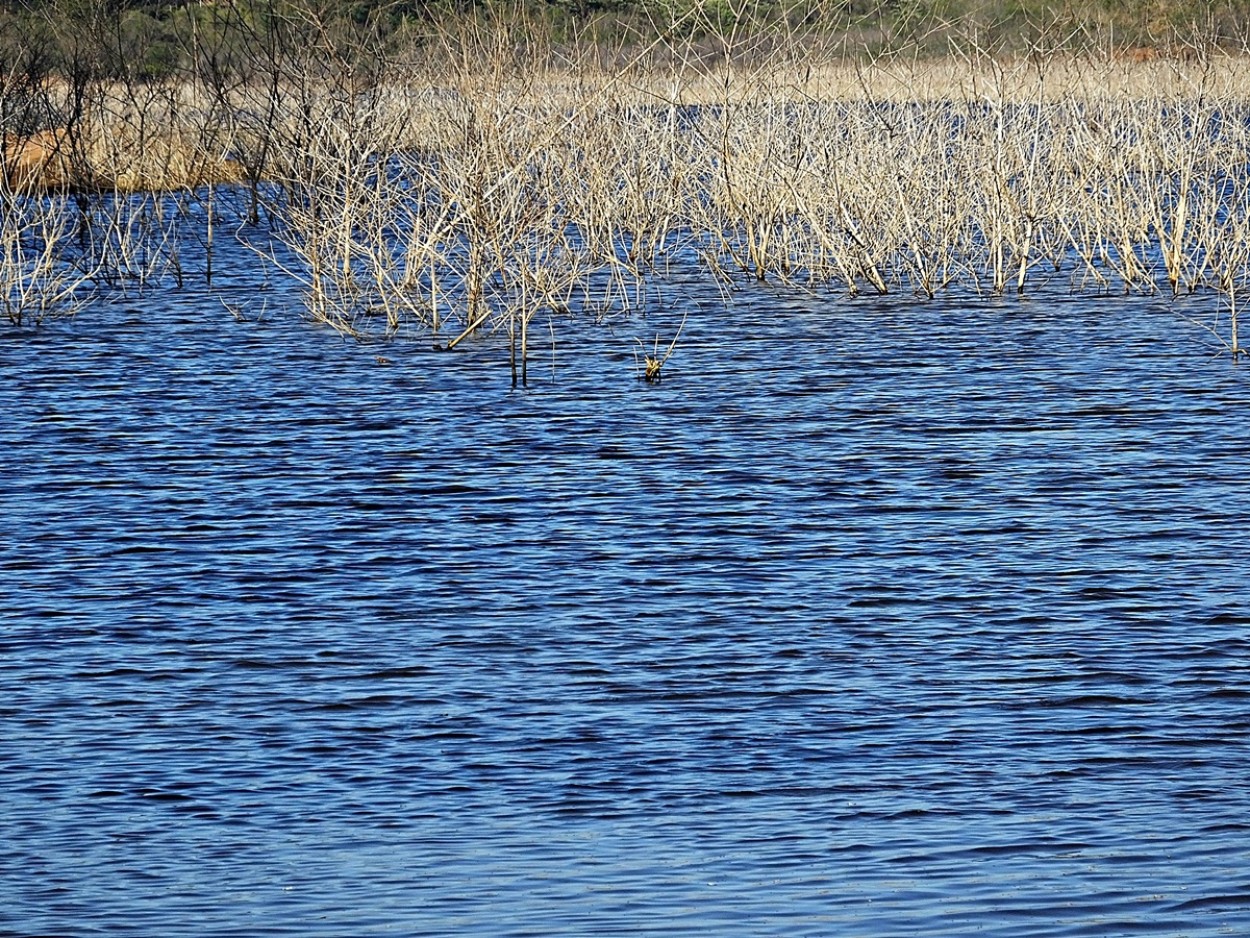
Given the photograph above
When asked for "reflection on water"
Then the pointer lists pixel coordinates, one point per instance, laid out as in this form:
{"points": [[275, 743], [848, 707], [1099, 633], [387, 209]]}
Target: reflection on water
{"points": [[875, 618]]}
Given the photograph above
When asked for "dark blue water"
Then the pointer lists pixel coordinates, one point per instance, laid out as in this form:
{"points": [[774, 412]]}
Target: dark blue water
{"points": [[875, 618]]}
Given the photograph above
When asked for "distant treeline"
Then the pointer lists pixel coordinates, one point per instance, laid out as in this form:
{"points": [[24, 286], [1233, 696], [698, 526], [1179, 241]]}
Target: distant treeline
{"points": [[154, 39]]}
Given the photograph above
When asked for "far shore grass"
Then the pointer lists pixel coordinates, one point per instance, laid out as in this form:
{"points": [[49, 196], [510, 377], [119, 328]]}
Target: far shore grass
{"points": [[171, 136]]}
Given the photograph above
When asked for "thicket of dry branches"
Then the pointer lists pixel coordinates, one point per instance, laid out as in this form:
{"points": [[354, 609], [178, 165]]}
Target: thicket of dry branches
{"points": [[486, 176]]}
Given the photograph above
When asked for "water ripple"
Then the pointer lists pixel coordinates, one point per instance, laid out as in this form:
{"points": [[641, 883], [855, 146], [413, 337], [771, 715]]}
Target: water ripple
{"points": [[874, 619]]}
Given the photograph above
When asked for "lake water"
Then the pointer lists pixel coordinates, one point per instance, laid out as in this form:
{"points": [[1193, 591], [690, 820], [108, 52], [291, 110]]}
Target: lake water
{"points": [[876, 618]]}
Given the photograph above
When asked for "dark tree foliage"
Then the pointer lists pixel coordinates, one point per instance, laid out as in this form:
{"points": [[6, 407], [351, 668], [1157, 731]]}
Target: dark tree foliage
{"points": [[155, 39]]}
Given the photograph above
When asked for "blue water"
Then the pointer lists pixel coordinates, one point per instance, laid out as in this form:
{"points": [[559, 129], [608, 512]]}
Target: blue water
{"points": [[875, 618]]}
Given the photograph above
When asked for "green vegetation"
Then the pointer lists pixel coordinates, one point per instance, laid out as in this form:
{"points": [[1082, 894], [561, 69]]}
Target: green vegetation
{"points": [[152, 39]]}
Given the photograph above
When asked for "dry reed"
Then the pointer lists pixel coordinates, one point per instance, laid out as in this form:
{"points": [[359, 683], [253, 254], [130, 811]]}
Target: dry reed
{"points": [[490, 180]]}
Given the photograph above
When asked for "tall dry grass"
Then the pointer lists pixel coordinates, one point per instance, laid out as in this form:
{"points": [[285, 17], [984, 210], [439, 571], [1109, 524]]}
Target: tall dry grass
{"points": [[41, 273], [535, 185], [487, 177]]}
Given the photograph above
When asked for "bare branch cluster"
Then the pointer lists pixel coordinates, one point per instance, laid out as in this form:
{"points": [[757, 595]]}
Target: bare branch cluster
{"points": [[489, 174]]}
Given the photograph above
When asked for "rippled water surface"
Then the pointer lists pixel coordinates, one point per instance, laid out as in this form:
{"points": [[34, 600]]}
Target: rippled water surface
{"points": [[876, 618]]}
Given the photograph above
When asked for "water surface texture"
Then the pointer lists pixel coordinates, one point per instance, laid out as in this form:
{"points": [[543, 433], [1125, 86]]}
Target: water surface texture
{"points": [[875, 618]]}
